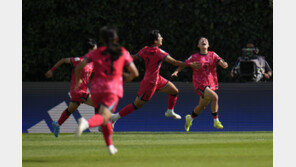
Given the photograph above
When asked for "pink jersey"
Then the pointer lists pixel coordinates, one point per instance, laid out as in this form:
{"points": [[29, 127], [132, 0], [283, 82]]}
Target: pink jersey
{"points": [[108, 77], [206, 75], [153, 57], [85, 75]]}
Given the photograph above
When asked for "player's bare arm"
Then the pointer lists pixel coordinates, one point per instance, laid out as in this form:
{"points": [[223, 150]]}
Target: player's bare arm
{"points": [[49, 73], [195, 65], [174, 62], [223, 63], [179, 69], [78, 71], [133, 73]]}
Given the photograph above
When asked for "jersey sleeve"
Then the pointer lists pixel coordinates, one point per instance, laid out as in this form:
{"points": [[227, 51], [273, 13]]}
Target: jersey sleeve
{"points": [[140, 53], [127, 59], [162, 54], [189, 61], [75, 61], [216, 58]]}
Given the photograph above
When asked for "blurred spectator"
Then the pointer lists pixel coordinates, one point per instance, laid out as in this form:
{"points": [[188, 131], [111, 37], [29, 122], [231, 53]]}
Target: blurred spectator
{"points": [[251, 66]]}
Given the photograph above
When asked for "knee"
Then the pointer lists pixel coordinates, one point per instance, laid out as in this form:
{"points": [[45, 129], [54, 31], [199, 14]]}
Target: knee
{"points": [[215, 98], [175, 92]]}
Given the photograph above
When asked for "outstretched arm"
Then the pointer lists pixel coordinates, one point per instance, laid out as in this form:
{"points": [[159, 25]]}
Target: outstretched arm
{"points": [[194, 65], [78, 71], [223, 63], [174, 62], [133, 73], [179, 69], [49, 73]]}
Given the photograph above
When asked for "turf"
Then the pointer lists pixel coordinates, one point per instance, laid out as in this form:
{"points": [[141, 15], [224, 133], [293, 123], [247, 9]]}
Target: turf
{"points": [[139, 149]]}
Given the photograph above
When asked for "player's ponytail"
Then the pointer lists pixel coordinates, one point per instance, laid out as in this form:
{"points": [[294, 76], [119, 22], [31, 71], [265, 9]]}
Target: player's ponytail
{"points": [[109, 37]]}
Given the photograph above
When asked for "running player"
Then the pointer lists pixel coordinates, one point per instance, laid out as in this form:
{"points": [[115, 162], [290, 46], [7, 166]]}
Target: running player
{"points": [[152, 81], [106, 85], [205, 81], [81, 95]]}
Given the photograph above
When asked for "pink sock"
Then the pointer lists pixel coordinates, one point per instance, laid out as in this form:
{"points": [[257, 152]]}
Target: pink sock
{"points": [[96, 120], [64, 116], [107, 131], [127, 110], [172, 101]]}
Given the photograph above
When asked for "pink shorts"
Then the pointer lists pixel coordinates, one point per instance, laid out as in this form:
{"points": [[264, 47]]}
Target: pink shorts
{"points": [[109, 100], [79, 97], [147, 89], [200, 90]]}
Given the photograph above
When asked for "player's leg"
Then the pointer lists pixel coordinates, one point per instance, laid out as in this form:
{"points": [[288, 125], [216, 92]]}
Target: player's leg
{"points": [[210, 94], [107, 104], [137, 104], [64, 116], [144, 94], [101, 119], [95, 121], [107, 131], [89, 101], [197, 110], [172, 91], [200, 107]]}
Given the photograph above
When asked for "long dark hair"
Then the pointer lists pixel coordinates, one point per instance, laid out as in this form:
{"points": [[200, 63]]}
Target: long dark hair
{"points": [[109, 35]]}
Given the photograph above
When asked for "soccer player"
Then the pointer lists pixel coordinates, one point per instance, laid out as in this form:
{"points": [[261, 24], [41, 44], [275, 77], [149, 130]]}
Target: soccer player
{"points": [[80, 95], [152, 81], [106, 85], [205, 81]]}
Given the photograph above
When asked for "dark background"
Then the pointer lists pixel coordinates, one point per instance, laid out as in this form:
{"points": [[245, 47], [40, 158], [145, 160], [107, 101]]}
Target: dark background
{"points": [[54, 29]]}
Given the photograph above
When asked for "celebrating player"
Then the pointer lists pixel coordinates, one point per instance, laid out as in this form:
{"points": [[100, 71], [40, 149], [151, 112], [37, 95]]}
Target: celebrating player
{"points": [[106, 85], [205, 81], [77, 96], [152, 81]]}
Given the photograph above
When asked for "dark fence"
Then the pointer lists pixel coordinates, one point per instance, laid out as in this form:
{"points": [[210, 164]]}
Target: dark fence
{"points": [[242, 107], [54, 29]]}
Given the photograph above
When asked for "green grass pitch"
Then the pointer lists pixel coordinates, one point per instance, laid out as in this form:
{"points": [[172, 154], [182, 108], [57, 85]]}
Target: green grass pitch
{"points": [[143, 149]]}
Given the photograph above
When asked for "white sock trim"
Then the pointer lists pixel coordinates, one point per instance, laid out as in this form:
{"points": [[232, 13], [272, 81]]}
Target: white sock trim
{"points": [[216, 120]]}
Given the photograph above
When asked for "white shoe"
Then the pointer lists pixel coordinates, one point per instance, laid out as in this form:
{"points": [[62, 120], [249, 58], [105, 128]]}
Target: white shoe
{"points": [[112, 150], [114, 117], [171, 113], [82, 125]]}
